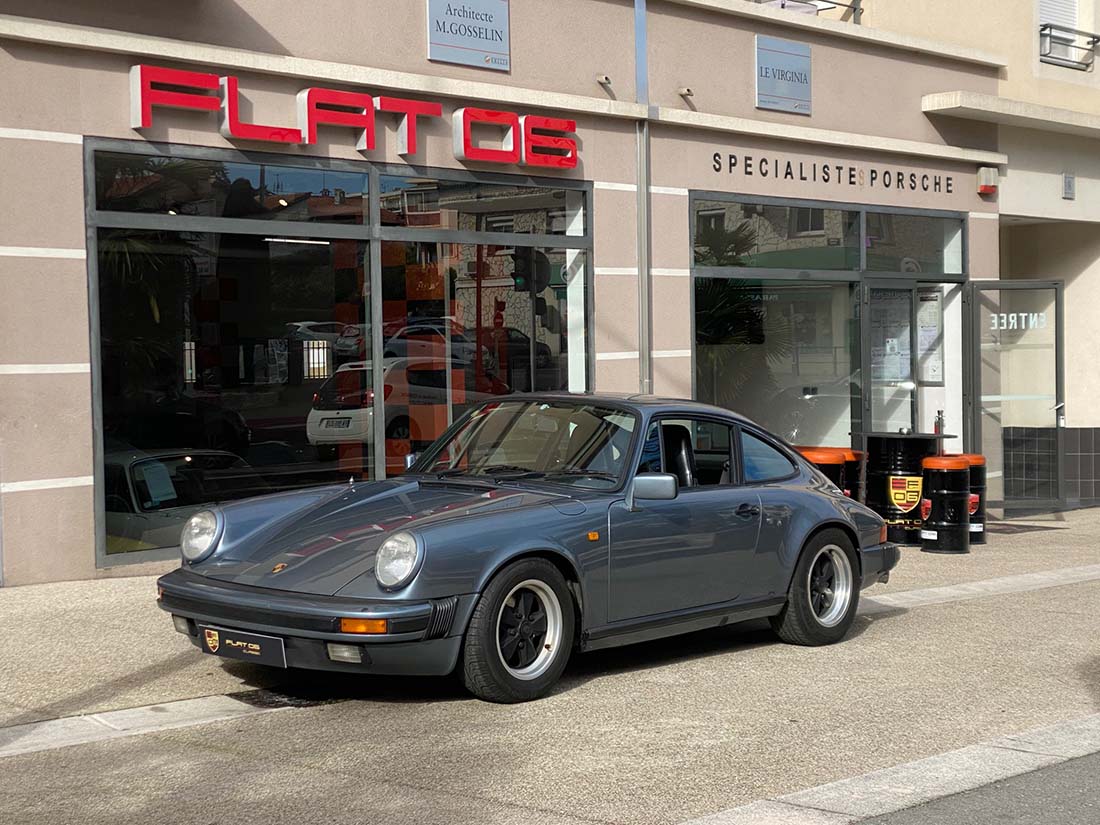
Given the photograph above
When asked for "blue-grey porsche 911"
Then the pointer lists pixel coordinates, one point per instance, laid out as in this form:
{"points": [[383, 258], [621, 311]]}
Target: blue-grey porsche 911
{"points": [[536, 525]]}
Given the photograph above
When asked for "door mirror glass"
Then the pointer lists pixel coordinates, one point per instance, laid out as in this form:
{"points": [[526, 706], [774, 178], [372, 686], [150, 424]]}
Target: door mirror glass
{"points": [[655, 487], [410, 459]]}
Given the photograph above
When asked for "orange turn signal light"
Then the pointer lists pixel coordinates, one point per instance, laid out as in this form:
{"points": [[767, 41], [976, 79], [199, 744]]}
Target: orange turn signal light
{"points": [[882, 535], [363, 626], [593, 535]]}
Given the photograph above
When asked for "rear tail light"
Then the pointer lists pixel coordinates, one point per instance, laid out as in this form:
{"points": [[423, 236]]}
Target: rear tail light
{"points": [[316, 398], [848, 493], [368, 397], [386, 390], [972, 505], [925, 509]]}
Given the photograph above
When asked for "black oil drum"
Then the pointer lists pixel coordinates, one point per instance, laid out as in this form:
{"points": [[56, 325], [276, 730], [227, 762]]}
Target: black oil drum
{"points": [[977, 497], [830, 460], [894, 482], [945, 506], [852, 460]]}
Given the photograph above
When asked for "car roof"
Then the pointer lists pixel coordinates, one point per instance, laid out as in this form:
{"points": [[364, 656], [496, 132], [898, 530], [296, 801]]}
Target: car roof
{"points": [[640, 401]]}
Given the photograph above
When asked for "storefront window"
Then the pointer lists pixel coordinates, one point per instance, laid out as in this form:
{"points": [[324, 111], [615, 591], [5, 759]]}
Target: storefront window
{"points": [[237, 359], [465, 322], [208, 188], [229, 368], [775, 237], [485, 207], [783, 353], [914, 244]]}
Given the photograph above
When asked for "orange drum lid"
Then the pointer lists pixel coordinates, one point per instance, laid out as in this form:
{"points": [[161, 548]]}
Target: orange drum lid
{"points": [[973, 458], [945, 462], [822, 455]]}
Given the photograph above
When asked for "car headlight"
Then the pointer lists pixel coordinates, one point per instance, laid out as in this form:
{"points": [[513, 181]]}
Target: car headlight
{"points": [[199, 536], [397, 561]]}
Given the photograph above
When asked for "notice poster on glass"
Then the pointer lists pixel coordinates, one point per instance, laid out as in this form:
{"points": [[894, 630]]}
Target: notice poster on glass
{"points": [[890, 352], [930, 336]]}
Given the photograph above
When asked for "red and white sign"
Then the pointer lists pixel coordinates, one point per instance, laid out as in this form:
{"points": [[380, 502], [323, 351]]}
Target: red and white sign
{"points": [[529, 140]]}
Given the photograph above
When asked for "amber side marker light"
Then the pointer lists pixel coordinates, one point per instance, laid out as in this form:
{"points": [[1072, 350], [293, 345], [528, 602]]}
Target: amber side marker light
{"points": [[882, 535], [593, 536], [363, 626]]}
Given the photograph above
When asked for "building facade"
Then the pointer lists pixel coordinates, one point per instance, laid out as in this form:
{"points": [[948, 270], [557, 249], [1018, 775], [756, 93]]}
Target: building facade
{"points": [[246, 251]]}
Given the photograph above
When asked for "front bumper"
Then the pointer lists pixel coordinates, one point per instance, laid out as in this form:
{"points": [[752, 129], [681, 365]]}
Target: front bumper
{"points": [[877, 562], [424, 639]]}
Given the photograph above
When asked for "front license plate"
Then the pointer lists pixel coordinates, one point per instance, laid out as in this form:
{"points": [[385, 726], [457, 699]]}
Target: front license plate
{"points": [[337, 423], [248, 647]]}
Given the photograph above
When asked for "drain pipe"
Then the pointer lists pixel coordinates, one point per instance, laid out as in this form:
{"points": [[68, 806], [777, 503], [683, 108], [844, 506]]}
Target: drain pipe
{"points": [[645, 301]]}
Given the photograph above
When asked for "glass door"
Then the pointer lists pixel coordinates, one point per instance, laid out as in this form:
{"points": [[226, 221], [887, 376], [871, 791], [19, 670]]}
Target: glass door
{"points": [[888, 330], [1019, 387]]}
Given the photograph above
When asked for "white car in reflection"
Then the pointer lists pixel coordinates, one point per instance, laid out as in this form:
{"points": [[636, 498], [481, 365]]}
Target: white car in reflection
{"points": [[342, 411]]}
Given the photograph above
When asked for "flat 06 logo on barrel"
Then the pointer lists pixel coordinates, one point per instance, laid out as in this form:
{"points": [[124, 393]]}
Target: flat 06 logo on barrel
{"points": [[904, 491]]}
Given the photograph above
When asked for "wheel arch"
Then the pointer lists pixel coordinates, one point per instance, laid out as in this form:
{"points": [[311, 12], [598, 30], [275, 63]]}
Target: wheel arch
{"points": [[834, 524], [565, 565]]}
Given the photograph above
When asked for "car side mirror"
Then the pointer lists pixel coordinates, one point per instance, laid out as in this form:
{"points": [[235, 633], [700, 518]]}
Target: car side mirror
{"points": [[411, 459], [652, 487]]}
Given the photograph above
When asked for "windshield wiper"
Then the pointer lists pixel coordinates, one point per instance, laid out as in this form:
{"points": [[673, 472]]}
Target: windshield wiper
{"points": [[497, 472], [576, 471]]}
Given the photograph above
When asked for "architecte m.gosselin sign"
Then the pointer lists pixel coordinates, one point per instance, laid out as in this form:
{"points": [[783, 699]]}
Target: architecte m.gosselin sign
{"points": [[471, 33]]}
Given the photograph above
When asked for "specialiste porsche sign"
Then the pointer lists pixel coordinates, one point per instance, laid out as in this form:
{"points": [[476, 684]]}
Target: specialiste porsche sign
{"points": [[479, 135]]}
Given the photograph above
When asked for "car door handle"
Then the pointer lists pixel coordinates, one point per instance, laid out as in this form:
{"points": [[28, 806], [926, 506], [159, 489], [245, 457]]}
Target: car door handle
{"points": [[748, 510]]}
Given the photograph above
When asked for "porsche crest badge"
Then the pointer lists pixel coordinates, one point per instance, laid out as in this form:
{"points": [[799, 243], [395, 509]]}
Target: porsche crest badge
{"points": [[212, 640], [904, 491], [279, 568]]}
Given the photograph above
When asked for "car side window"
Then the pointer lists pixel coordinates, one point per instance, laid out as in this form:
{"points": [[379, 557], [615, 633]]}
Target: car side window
{"points": [[710, 448], [761, 461]]}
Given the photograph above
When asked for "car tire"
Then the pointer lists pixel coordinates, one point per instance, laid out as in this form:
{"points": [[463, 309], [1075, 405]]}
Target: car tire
{"points": [[509, 674], [824, 593]]}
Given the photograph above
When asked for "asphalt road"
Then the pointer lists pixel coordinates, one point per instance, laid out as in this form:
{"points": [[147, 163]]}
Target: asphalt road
{"points": [[1066, 794]]}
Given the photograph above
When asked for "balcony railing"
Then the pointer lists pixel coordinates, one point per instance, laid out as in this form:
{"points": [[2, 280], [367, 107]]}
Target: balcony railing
{"points": [[1067, 47], [814, 6]]}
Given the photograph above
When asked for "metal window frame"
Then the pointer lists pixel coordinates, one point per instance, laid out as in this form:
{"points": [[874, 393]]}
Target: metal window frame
{"points": [[370, 233], [861, 278]]}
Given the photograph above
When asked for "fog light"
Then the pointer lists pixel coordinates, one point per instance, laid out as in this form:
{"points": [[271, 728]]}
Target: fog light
{"points": [[344, 653], [364, 626], [182, 625]]}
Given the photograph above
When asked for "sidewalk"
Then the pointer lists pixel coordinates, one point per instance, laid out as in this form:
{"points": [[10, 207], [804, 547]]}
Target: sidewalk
{"points": [[84, 647]]}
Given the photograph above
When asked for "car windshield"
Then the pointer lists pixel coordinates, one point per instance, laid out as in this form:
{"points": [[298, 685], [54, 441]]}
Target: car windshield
{"points": [[585, 445], [186, 480]]}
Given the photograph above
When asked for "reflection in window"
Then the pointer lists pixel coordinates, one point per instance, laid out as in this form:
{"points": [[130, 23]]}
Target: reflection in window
{"points": [[484, 321], [216, 352], [186, 186], [783, 353], [914, 244], [730, 234], [485, 207]]}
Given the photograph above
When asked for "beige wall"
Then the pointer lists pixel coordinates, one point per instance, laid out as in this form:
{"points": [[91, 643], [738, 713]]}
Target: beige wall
{"points": [[1009, 28], [385, 34], [714, 54], [1032, 184]]}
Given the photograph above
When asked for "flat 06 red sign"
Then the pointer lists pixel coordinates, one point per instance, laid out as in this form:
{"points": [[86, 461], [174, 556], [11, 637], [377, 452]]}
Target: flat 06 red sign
{"points": [[480, 135]]}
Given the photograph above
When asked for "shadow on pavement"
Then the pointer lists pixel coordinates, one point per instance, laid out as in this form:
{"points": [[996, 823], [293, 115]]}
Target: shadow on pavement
{"points": [[303, 688]]}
